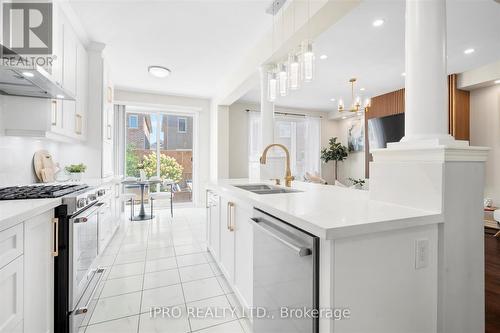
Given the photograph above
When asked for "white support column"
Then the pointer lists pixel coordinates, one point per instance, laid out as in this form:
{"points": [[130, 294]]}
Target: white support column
{"points": [[429, 170], [426, 97]]}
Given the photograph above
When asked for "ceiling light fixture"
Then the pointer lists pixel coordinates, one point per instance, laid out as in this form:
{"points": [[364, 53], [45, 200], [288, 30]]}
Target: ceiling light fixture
{"points": [[403, 74], [28, 74], [362, 89], [323, 57], [332, 99], [159, 71], [356, 102], [378, 23], [497, 81], [283, 80], [469, 51]]}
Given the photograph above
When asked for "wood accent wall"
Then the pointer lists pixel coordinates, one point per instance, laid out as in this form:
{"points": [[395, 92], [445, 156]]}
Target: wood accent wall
{"points": [[458, 110], [394, 103]]}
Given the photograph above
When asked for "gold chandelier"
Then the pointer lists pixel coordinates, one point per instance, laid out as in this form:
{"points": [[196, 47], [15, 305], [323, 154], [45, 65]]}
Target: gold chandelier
{"points": [[356, 102]]}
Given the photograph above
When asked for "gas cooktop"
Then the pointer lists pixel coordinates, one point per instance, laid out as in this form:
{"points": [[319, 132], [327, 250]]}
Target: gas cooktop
{"points": [[39, 191]]}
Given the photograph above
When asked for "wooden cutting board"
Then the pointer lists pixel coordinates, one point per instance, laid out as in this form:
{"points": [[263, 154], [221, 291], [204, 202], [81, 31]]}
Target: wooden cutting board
{"points": [[44, 166]]}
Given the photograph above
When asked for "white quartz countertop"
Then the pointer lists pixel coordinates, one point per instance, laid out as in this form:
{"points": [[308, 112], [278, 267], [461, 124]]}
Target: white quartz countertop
{"points": [[13, 212], [329, 212]]}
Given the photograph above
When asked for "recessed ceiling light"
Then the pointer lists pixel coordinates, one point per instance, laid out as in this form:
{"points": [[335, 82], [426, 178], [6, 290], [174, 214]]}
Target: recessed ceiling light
{"points": [[378, 22], [403, 74], [469, 51], [332, 99], [159, 71], [28, 74], [60, 96], [323, 57], [344, 117], [362, 89], [497, 81]]}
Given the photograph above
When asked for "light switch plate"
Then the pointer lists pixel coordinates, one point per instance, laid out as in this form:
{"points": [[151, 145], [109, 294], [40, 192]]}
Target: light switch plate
{"points": [[421, 253]]}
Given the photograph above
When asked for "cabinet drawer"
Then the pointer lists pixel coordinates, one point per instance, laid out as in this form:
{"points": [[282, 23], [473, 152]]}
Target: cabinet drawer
{"points": [[11, 301], [11, 244]]}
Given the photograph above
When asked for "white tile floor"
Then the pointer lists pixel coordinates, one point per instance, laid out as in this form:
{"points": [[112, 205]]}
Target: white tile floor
{"points": [[162, 263]]}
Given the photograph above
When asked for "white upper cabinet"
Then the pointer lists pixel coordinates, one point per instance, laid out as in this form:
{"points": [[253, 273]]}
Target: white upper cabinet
{"points": [[60, 120]]}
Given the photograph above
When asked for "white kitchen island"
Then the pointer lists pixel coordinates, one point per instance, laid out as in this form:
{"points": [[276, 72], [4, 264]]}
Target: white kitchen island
{"points": [[369, 261]]}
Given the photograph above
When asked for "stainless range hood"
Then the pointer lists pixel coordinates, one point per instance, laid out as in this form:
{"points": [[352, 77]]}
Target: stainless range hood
{"points": [[27, 80]]}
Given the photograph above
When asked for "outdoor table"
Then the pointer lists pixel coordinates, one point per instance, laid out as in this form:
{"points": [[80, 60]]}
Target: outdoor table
{"points": [[142, 183]]}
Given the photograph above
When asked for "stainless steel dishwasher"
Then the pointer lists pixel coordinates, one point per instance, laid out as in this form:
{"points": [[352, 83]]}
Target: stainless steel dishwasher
{"points": [[286, 277]]}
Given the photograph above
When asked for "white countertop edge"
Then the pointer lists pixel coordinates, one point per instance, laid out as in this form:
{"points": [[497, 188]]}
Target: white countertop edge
{"points": [[16, 211], [335, 232]]}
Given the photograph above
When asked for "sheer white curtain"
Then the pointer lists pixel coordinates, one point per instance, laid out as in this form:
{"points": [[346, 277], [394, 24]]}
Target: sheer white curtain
{"points": [[312, 145]]}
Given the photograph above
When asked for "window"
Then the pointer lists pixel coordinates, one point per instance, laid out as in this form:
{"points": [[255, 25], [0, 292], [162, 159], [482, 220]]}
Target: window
{"points": [[182, 125], [133, 121]]}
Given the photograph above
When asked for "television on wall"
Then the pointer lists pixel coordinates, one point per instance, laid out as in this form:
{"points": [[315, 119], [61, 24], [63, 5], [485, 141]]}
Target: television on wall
{"points": [[384, 130]]}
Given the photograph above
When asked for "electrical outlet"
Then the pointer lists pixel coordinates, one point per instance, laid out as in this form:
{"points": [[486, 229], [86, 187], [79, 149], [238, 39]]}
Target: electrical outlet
{"points": [[421, 253]]}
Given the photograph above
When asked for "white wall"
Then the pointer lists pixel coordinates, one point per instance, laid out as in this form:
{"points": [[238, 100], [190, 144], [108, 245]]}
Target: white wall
{"points": [[485, 131], [354, 165], [238, 142], [201, 107], [16, 164]]}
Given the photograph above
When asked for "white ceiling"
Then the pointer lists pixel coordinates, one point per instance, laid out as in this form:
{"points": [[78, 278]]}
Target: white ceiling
{"points": [[201, 41], [376, 55]]}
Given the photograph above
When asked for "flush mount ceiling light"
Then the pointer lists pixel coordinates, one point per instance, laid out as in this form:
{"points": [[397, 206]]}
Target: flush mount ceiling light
{"points": [[28, 74], [332, 99], [469, 51], [323, 57], [159, 71], [378, 23]]}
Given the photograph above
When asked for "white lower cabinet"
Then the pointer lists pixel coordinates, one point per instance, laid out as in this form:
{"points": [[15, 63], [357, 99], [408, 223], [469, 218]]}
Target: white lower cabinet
{"points": [[213, 220], [243, 252], [39, 274], [227, 238], [27, 281], [230, 238], [11, 291]]}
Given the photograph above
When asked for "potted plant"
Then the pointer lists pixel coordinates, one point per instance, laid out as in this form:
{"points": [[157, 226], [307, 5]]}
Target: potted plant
{"points": [[336, 152], [357, 183], [76, 171]]}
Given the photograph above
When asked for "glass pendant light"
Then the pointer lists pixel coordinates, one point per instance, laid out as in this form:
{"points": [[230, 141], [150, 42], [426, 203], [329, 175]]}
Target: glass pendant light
{"points": [[283, 80], [294, 72], [308, 63], [341, 105], [272, 87]]}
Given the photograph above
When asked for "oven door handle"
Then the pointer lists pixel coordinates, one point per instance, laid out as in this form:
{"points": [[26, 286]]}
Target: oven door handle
{"points": [[83, 219], [85, 308]]}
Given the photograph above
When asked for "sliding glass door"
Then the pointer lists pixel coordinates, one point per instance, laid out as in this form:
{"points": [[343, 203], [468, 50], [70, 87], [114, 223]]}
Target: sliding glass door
{"points": [[161, 144]]}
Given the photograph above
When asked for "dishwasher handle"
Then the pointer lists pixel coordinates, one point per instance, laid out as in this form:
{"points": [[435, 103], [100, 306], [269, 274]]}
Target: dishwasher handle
{"points": [[301, 251]]}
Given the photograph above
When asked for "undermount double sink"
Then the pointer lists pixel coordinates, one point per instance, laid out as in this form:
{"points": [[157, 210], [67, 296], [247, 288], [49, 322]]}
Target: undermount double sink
{"points": [[265, 189]]}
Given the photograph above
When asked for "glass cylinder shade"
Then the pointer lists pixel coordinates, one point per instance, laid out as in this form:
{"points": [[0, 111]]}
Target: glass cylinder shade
{"points": [[272, 87], [294, 73], [308, 63], [283, 80]]}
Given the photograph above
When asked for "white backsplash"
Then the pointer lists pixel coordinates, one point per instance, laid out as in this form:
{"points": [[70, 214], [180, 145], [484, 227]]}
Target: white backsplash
{"points": [[16, 156]]}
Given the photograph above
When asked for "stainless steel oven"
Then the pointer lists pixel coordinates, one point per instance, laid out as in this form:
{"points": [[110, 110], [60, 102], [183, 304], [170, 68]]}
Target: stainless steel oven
{"points": [[76, 272]]}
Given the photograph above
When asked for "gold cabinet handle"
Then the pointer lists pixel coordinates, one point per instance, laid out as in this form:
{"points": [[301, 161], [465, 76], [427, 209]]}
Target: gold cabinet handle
{"points": [[230, 211], [55, 233], [54, 113]]}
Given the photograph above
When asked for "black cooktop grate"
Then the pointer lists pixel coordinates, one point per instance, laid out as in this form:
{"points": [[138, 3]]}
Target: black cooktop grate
{"points": [[38, 191]]}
